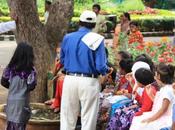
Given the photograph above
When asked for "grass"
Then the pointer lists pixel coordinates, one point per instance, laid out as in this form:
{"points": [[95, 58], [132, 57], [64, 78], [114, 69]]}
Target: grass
{"points": [[109, 6], [162, 14]]}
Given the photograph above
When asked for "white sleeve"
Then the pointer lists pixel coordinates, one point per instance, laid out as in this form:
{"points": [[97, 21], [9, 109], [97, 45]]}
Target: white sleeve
{"points": [[7, 26], [168, 94], [46, 16]]}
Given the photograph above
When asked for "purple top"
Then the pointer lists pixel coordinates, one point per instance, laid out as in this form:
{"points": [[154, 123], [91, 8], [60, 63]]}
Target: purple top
{"points": [[9, 73]]}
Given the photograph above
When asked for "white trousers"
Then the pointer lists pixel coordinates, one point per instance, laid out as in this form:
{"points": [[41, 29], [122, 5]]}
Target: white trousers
{"points": [[84, 92]]}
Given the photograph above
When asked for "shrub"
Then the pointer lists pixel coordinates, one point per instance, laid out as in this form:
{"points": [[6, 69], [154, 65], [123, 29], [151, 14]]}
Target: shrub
{"points": [[151, 25]]}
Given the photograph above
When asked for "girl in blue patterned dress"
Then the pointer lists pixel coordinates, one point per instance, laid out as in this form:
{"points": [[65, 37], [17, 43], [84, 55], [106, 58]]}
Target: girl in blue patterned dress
{"points": [[20, 78]]}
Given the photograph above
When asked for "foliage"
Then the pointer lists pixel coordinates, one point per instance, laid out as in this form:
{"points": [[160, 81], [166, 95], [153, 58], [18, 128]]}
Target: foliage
{"points": [[127, 5], [150, 25], [161, 21], [147, 23], [162, 51], [162, 4], [5, 19]]}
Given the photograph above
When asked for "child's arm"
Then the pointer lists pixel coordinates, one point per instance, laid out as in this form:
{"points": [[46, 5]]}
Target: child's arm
{"points": [[4, 82], [173, 126], [161, 111], [31, 81], [5, 78], [57, 67]]}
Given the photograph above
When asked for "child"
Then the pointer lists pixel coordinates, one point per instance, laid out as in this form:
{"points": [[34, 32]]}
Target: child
{"points": [[120, 56], [135, 35], [125, 66], [145, 58], [58, 79], [161, 113], [123, 116], [52, 80], [123, 55], [173, 125], [109, 84], [57, 100], [20, 78]]}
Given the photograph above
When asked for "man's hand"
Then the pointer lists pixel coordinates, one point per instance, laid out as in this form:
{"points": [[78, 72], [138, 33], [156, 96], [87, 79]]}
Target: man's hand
{"points": [[110, 70]]}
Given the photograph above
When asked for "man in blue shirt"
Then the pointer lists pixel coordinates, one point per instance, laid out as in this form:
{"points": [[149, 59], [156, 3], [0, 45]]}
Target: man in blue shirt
{"points": [[84, 59]]}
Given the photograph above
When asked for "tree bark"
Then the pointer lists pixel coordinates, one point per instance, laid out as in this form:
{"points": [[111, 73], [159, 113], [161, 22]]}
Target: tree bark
{"points": [[43, 39], [58, 22]]}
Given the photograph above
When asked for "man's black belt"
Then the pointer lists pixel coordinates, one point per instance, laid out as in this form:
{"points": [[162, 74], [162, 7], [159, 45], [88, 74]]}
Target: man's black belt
{"points": [[82, 75]]}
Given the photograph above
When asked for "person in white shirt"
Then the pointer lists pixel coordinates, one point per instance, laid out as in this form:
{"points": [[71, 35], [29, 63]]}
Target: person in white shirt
{"points": [[7, 26], [47, 8], [11, 25]]}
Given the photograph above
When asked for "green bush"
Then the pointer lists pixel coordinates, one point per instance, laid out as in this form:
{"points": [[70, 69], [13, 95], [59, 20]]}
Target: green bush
{"points": [[162, 22], [128, 5], [146, 24], [151, 25], [4, 19]]}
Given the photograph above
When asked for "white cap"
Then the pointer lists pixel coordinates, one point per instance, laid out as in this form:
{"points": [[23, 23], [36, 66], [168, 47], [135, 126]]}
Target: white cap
{"points": [[138, 65], [88, 16]]}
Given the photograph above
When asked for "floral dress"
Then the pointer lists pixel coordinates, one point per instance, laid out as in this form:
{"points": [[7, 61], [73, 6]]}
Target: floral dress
{"points": [[122, 119]]}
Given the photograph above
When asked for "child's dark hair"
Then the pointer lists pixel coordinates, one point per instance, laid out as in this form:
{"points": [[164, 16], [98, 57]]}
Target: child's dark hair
{"points": [[145, 58], [23, 58], [126, 65], [87, 25], [134, 23], [127, 15], [144, 76], [166, 73], [96, 6], [125, 55], [48, 2]]}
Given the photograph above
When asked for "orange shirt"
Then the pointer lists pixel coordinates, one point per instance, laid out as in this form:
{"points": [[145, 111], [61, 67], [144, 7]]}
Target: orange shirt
{"points": [[136, 37]]}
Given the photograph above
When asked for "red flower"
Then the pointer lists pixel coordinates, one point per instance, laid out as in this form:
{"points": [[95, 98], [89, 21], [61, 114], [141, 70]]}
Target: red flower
{"points": [[169, 59], [152, 54], [140, 47], [166, 53], [161, 59]]}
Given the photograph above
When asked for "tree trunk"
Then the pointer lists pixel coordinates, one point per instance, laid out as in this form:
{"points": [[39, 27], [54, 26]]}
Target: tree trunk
{"points": [[57, 25], [42, 38]]}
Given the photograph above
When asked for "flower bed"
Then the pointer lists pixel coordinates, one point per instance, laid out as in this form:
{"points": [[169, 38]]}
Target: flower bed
{"points": [[162, 51]]}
